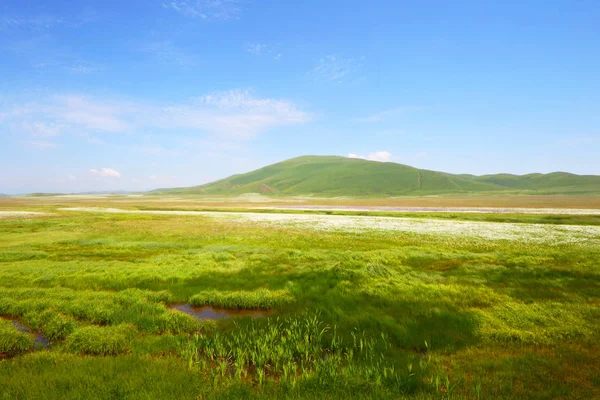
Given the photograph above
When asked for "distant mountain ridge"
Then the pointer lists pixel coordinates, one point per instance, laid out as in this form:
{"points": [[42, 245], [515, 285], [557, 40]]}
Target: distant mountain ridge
{"points": [[332, 176]]}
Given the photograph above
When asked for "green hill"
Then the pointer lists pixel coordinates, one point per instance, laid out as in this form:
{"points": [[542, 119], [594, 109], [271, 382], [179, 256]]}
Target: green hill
{"points": [[341, 176]]}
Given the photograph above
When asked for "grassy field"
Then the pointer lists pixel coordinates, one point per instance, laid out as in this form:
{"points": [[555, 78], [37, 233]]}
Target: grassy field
{"points": [[256, 200], [350, 312]]}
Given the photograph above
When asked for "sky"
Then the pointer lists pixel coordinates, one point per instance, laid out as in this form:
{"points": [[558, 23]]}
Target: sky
{"points": [[142, 94]]}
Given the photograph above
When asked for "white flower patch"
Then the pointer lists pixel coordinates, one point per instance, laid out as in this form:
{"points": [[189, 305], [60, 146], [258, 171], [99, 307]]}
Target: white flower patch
{"points": [[20, 214], [536, 233], [467, 210]]}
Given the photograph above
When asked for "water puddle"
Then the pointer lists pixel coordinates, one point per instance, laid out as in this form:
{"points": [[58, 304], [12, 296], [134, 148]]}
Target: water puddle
{"points": [[212, 313], [40, 340]]}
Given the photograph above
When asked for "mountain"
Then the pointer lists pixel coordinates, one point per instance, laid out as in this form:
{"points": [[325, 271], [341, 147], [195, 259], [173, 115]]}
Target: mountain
{"points": [[341, 176]]}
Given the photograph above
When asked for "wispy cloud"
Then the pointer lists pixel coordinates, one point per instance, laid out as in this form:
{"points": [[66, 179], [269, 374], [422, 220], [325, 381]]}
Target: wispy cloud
{"points": [[336, 68], [387, 114], [168, 53], [205, 9], [83, 68], [157, 150], [38, 22], [381, 156], [43, 51], [265, 50], [392, 132], [75, 66], [89, 114], [40, 144], [580, 140], [255, 48], [95, 140], [106, 172], [44, 22], [38, 129], [234, 114], [164, 179], [386, 156]]}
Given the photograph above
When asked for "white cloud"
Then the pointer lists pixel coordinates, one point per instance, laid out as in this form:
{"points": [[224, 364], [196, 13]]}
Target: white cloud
{"points": [[38, 22], [205, 9], [167, 53], [75, 66], [335, 68], [163, 179], [106, 172], [387, 114], [40, 144], [152, 149], [381, 156], [81, 67], [234, 114], [95, 140], [392, 132], [15, 113], [579, 140], [261, 49], [70, 112], [158, 150], [44, 22], [71, 177], [256, 48], [39, 129], [93, 115]]}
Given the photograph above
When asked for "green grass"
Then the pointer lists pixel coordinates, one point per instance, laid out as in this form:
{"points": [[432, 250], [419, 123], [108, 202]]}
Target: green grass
{"points": [[341, 176], [12, 341], [260, 298], [354, 314], [54, 326], [293, 351], [101, 340]]}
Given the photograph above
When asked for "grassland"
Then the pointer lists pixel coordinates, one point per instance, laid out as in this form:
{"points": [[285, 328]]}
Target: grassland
{"points": [[354, 313]]}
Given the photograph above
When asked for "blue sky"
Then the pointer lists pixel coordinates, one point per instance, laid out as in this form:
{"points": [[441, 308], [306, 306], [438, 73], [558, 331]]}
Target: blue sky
{"points": [[135, 95]]}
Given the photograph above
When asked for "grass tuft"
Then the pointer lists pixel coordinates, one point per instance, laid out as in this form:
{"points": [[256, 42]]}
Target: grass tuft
{"points": [[261, 298], [12, 341], [101, 340], [53, 325]]}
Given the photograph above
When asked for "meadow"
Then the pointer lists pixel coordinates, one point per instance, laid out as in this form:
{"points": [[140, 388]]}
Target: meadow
{"points": [[439, 307]]}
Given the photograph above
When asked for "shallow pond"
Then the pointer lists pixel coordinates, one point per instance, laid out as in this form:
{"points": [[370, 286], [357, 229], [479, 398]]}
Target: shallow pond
{"points": [[40, 340], [207, 312]]}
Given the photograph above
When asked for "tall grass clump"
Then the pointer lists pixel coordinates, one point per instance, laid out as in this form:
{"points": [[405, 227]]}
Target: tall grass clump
{"points": [[12, 341], [175, 321], [261, 298], [101, 340], [55, 311], [53, 325], [296, 350]]}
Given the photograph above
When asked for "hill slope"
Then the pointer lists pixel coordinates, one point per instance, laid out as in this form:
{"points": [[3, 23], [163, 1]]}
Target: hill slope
{"points": [[341, 176]]}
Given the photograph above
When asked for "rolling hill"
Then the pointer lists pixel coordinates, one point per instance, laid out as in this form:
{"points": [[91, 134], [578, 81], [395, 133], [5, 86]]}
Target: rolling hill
{"points": [[341, 176]]}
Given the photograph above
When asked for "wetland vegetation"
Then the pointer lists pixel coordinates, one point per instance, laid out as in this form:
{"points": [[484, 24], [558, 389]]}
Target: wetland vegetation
{"points": [[344, 312]]}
